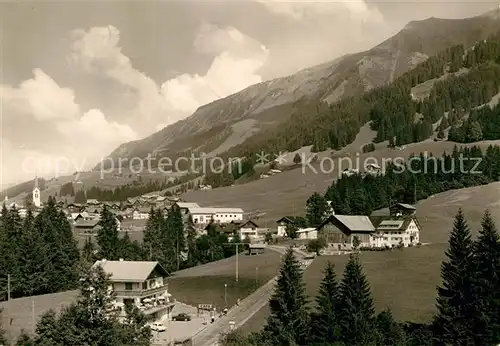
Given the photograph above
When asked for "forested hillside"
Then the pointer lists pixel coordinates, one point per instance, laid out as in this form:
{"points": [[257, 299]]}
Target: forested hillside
{"points": [[470, 77]]}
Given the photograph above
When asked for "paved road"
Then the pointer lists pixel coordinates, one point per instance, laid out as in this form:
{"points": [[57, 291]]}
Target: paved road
{"points": [[241, 313]]}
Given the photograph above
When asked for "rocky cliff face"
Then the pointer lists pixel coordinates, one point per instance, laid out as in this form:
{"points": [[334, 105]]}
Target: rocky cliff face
{"points": [[271, 102]]}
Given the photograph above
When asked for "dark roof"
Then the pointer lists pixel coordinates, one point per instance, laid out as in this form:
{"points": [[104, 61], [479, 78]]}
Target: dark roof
{"points": [[86, 223], [292, 219], [224, 227], [241, 224], [403, 206]]}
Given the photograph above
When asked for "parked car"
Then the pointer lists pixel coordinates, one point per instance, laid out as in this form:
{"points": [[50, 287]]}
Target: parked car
{"points": [[158, 327], [181, 317]]}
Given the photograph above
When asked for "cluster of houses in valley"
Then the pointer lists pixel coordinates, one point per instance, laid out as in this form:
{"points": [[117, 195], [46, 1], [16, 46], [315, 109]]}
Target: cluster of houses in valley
{"points": [[399, 227]]}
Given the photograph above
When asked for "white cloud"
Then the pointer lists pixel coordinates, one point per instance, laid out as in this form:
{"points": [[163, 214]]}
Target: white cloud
{"points": [[82, 136], [311, 9], [51, 112], [40, 97], [237, 58]]}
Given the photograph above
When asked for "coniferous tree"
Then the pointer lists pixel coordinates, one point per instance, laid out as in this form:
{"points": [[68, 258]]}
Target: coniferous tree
{"points": [[324, 323], [107, 236], [134, 329], [89, 251], [356, 310], [288, 321], [153, 241], [176, 230], [31, 257], [192, 257], [487, 284], [389, 331], [456, 317], [24, 339], [316, 209]]}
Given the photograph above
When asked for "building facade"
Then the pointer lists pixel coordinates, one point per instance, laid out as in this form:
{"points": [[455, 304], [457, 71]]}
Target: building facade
{"points": [[142, 283]]}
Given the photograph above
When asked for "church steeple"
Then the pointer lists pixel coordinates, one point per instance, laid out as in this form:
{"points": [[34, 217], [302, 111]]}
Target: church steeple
{"points": [[36, 194]]}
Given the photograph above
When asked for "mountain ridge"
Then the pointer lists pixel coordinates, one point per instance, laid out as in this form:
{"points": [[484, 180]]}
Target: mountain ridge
{"points": [[271, 102]]}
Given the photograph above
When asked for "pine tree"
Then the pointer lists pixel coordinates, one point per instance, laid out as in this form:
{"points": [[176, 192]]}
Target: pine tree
{"points": [[487, 284], [192, 259], [24, 339], [389, 331], [31, 258], [152, 242], [134, 330], [324, 323], [288, 321], [316, 209], [356, 312], [455, 318], [107, 236], [176, 229]]}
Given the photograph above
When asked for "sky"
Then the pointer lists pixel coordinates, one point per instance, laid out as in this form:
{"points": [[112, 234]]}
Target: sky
{"points": [[77, 79]]}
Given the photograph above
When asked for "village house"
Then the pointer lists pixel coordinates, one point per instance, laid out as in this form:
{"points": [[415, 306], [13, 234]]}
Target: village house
{"points": [[373, 169], [395, 231], [339, 231], [251, 230], [308, 233], [86, 226], [83, 215], [143, 283], [141, 213], [399, 228], [299, 222], [218, 215]]}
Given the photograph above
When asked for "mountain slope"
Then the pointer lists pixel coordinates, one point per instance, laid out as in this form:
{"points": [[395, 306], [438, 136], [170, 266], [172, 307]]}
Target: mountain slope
{"points": [[225, 123]]}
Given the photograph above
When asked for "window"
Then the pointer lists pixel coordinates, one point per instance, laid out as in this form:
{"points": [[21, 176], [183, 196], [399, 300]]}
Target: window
{"points": [[145, 285], [128, 286]]}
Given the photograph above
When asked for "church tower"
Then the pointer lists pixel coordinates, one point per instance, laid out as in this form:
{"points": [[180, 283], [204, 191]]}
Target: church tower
{"points": [[36, 194]]}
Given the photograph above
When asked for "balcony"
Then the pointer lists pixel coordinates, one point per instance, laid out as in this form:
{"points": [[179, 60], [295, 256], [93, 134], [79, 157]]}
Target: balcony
{"points": [[141, 293]]}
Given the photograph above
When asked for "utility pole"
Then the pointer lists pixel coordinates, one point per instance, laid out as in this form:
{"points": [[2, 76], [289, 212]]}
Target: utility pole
{"points": [[415, 193], [33, 319], [8, 287], [237, 265]]}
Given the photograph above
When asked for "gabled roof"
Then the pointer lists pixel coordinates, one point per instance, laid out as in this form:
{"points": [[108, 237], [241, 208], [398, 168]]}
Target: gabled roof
{"points": [[130, 271], [403, 206], [187, 205], [241, 224], [354, 223], [86, 223], [393, 222], [291, 219], [145, 210]]}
